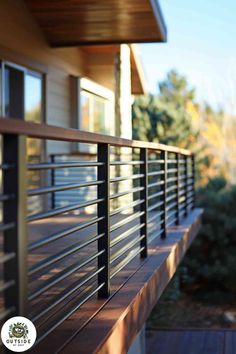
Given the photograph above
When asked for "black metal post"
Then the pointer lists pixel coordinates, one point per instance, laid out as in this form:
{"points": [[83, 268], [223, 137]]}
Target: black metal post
{"points": [[164, 156], [178, 189], [53, 195], [103, 156], [186, 185], [144, 205], [15, 212], [193, 177]]}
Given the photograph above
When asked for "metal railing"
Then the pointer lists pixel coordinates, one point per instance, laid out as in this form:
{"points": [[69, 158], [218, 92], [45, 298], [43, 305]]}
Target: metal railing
{"points": [[55, 260]]}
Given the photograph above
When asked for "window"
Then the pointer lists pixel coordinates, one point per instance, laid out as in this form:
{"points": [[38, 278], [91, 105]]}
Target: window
{"points": [[96, 108], [22, 93], [22, 98]]}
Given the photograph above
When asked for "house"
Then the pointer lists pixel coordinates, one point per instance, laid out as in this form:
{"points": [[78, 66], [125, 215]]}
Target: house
{"points": [[69, 69]]}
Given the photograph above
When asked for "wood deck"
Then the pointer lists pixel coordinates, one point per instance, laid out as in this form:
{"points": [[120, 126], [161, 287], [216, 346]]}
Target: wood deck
{"points": [[196, 341], [110, 326]]}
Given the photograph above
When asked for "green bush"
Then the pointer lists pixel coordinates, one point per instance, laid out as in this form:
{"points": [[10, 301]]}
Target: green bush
{"points": [[211, 261]]}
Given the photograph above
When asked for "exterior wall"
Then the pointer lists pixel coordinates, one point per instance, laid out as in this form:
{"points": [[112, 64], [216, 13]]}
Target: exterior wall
{"points": [[22, 42]]}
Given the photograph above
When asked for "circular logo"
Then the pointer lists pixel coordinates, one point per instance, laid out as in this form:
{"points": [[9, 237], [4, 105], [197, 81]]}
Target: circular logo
{"points": [[18, 334]]}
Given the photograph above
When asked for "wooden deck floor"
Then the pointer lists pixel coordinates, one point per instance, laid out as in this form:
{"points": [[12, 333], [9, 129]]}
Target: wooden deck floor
{"points": [[191, 342], [110, 325]]}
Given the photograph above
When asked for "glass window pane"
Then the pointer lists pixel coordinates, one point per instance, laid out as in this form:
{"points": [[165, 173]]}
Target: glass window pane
{"points": [[93, 112], [13, 93], [99, 115], [33, 98], [85, 107]]}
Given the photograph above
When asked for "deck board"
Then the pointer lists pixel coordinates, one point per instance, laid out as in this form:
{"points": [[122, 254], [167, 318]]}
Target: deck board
{"points": [[195, 341], [116, 321]]}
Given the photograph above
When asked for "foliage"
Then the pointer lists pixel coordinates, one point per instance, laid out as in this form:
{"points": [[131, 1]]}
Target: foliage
{"points": [[211, 261], [166, 118], [174, 117]]}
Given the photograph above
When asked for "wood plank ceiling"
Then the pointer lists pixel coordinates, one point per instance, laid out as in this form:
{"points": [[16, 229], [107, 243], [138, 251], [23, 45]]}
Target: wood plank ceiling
{"points": [[87, 22]]}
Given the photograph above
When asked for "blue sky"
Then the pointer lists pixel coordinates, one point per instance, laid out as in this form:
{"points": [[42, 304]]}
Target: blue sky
{"points": [[201, 45]]}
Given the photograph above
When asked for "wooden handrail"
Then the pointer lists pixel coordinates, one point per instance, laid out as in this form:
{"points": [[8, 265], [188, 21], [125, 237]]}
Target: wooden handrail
{"points": [[44, 131]]}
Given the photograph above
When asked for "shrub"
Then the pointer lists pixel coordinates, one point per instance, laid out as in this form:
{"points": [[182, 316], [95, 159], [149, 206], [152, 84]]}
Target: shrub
{"points": [[211, 261]]}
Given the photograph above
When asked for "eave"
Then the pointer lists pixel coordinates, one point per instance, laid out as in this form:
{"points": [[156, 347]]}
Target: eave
{"points": [[81, 22]]}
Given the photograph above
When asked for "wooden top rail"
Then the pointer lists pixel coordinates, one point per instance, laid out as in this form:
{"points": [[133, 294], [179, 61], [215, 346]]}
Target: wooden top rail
{"points": [[44, 131]]}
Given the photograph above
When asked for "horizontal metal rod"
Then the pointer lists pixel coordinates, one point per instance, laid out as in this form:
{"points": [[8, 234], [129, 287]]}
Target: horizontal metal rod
{"points": [[5, 257], [170, 214], [190, 201], [172, 161], [155, 216], [64, 295], [171, 223], [170, 206], [68, 313], [155, 235], [181, 192], [125, 261], [182, 177], [190, 206], [171, 197], [63, 233], [117, 163], [181, 200], [62, 275], [172, 170], [155, 195], [126, 235], [5, 227], [5, 197], [121, 194], [54, 165], [62, 187], [6, 313], [181, 205], [127, 206], [126, 221], [155, 184], [156, 161], [190, 189], [156, 205], [172, 188], [155, 173], [6, 285], [126, 248], [62, 210], [59, 256], [171, 179], [154, 226], [7, 166], [125, 178]]}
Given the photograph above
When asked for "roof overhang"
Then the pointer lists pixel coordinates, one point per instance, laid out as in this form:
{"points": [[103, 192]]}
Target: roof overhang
{"points": [[82, 22]]}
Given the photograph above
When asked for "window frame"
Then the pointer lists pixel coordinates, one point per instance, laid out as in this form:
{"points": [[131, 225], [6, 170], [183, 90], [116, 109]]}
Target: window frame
{"points": [[102, 92], [25, 70]]}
